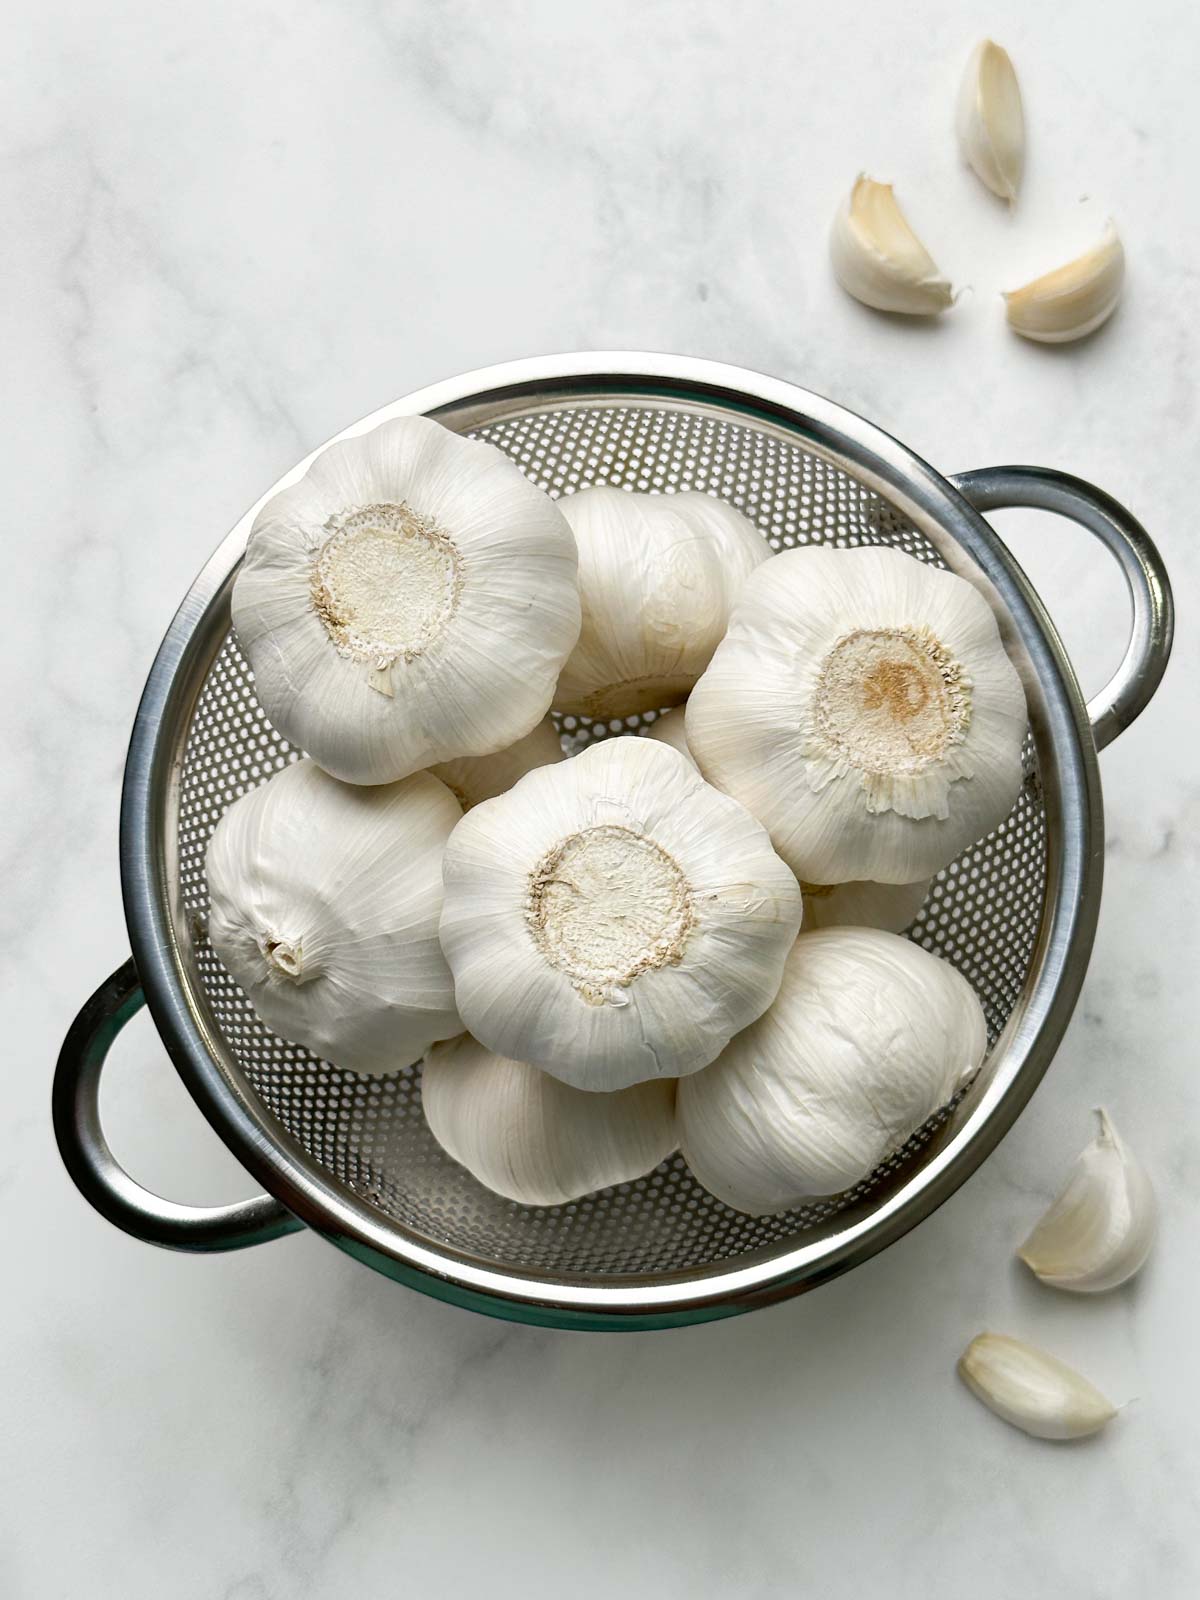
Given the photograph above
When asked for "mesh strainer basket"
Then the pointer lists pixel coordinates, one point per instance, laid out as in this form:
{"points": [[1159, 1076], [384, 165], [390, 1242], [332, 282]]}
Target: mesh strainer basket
{"points": [[351, 1157]]}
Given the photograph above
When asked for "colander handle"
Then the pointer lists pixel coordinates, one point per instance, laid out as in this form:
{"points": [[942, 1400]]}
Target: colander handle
{"points": [[1132, 686], [97, 1174]]}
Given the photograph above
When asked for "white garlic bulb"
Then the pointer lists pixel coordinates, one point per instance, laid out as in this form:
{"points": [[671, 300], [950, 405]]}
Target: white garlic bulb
{"points": [[991, 120], [868, 1036], [879, 260], [534, 1139], [669, 729], [890, 906], [614, 919], [411, 599], [474, 778], [863, 708], [657, 576], [1034, 1391], [325, 905], [1099, 1230], [1073, 300]]}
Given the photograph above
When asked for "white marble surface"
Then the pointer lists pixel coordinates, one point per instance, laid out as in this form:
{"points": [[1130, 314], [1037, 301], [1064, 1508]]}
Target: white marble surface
{"points": [[229, 230]]}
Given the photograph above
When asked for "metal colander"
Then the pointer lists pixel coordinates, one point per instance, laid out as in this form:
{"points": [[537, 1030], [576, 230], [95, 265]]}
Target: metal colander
{"points": [[352, 1156]]}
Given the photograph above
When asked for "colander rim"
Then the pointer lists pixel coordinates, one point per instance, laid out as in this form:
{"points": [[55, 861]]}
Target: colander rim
{"points": [[1072, 786]]}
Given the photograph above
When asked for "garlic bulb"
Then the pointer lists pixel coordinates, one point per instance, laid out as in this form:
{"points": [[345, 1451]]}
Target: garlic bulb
{"points": [[325, 905], [991, 120], [863, 708], [1098, 1231], [868, 1036], [879, 260], [613, 919], [475, 778], [890, 906], [657, 576], [669, 729], [1034, 1391], [411, 599], [531, 1138], [1073, 300]]}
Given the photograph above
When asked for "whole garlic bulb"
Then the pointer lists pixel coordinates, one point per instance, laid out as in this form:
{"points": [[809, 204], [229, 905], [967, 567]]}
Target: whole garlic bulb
{"points": [[614, 919], [890, 906], [474, 778], [531, 1138], [325, 906], [863, 708], [669, 729], [868, 1036], [657, 576], [411, 599]]}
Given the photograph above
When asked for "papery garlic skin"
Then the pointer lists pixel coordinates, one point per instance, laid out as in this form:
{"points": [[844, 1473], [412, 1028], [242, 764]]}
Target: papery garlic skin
{"points": [[879, 260], [991, 120], [670, 729], [657, 577], [325, 900], [862, 707], [534, 1139], [1100, 1228], [474, 778], [891, 907], [411, 599], [1073, 300], [614, 919], [1032, 1390], [868, 1036]]}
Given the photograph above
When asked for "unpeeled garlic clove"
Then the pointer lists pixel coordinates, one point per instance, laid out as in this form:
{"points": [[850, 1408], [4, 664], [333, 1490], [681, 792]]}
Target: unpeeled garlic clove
{"points": [[1034, 1391], [1073, 300], [879, 259], [990, 121], [1098, 1232]]}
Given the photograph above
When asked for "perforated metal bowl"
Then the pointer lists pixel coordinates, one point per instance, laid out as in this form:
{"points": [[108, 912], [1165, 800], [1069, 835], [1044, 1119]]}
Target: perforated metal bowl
{"points": [[351, 1157]]}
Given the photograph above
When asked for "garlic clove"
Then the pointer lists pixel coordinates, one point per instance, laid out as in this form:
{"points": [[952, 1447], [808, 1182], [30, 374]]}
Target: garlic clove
{"points": [[658, 575], [862, 904], [474, 778], [613, 918], [325, 900], [868, 1036], [1099, 1230], [879, 260], [991, 121], [1034, 1391], [409, 600], [531, 1138], [863, 708], [1073, 300]]}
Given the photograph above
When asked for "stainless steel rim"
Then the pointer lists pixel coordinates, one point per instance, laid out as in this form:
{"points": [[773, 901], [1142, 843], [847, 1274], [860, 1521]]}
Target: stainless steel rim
{"points": [[1071, 781]]}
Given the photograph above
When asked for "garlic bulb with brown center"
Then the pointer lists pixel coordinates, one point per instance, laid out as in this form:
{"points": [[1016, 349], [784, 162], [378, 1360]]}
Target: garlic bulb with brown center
{"points": [[409, 600], [863, 708], [613, 918]]}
